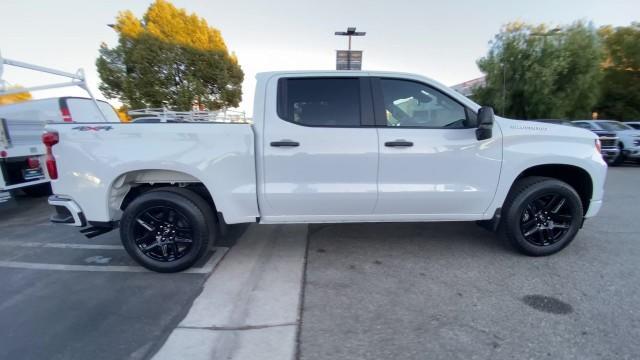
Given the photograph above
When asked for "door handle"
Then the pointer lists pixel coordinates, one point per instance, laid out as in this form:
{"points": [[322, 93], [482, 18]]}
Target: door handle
{"points": [[398, 143], [285, 143]]}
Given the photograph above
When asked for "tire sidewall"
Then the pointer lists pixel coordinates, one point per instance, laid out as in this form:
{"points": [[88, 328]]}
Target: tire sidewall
{"points": [[179, 203], [518, 204]]}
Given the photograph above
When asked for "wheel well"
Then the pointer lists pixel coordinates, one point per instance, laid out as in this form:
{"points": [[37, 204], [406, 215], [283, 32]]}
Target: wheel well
{"points": [[140, 189], [129, 186], [578, 178]]}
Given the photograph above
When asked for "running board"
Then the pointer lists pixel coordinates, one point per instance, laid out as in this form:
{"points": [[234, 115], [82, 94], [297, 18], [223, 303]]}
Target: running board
{"points": [[94, 231]]}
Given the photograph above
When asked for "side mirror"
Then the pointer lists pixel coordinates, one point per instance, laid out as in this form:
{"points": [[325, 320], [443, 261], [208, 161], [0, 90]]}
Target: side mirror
{"points": [[485, 123]]}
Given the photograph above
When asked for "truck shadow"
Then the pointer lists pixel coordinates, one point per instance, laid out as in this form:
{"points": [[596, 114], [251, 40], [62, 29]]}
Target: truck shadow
{"points": [[445, 238]]}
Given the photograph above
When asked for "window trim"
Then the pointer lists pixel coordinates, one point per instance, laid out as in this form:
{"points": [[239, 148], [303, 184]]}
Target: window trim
{"points": [[380, 112], [365, 97]]}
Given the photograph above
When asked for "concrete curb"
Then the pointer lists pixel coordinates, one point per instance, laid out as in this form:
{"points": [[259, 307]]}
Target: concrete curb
{"points": [[249, 307]]}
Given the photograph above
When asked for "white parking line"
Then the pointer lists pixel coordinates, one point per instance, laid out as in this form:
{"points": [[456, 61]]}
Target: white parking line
{"points": [[35, 244], [207, 268]]}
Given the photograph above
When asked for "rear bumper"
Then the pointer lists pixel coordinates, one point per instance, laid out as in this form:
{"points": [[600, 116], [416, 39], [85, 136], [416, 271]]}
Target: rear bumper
{"points": [[67, 211]]}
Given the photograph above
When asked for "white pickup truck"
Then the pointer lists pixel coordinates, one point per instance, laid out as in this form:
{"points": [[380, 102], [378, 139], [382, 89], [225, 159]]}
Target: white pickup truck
{"points": [[326, 147]]}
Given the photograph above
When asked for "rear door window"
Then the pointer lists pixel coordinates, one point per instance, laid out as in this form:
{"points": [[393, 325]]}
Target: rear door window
{"points": [[326, 102]]}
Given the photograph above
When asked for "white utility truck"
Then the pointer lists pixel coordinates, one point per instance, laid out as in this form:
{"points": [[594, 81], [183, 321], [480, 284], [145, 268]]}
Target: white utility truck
{"points": [[326, 147], [22, 125]]}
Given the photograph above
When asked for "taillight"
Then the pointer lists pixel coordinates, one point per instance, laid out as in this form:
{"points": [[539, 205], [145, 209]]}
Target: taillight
{"points": [[49, 139], [598, 145], [66, 115]]}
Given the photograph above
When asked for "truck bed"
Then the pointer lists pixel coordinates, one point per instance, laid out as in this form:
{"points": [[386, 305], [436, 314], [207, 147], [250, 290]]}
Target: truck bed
{"points": [[101, 162]]}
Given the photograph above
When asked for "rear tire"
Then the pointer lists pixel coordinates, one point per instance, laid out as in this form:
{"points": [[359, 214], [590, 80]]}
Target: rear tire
{"points": [[168, 229], [541, 216]]}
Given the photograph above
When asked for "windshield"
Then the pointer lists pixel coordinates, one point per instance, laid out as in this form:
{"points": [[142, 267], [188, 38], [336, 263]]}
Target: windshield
{"points": [[614, 126]]}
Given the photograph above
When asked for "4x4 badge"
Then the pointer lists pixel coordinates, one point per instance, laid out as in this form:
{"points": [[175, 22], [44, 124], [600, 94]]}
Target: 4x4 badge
{"points": [[93, 128]]}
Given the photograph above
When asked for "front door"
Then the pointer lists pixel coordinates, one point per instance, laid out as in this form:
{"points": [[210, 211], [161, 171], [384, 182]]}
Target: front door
{"points": [[430, 161], [320, 157]]}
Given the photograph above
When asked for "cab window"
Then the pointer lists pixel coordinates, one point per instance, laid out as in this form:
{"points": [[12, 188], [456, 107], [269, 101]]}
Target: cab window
{"points": [[412, 104]]}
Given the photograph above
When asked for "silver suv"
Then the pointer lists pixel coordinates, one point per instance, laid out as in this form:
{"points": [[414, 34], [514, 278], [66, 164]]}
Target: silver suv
{"points": [[629, 138]]}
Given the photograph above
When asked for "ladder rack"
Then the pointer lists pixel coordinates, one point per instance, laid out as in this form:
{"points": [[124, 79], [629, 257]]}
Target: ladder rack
{"points": [[77, 79], [222, 115]]}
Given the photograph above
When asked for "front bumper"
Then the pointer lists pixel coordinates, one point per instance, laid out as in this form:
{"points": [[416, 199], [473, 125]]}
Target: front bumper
{"points": [[67, 211], [632, 153], [610, 153], [594, 208]]}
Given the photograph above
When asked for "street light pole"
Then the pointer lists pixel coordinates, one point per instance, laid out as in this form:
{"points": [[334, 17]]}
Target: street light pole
{"points": [[553, 32], [351, 31], [504, 87]]}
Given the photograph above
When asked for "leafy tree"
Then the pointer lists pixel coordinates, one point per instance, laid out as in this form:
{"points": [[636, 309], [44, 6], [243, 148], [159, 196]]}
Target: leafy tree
{"points": [[621, 83], [534, 72], [15, 98], [169, 59]]}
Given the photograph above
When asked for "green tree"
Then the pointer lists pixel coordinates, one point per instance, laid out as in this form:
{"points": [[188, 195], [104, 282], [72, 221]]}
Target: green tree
{"points": [[534, 72], [621, 83], [169, 58]]}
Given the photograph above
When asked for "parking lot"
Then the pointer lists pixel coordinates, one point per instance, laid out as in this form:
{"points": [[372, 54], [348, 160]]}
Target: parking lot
{"points": [[410, 291], [67, 297], [453, 291]]}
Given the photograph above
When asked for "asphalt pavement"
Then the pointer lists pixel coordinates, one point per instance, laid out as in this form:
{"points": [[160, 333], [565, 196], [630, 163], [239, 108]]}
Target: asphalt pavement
{"points": [[67, 297], [368, 291], [453, 291]]}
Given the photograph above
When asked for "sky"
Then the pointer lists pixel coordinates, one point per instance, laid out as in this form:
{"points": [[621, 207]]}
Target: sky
{"points": [[438, 39]]}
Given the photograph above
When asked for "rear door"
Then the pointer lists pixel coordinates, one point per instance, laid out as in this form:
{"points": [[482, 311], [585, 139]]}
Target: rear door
{"points": [[430, 160], [320, 149]]}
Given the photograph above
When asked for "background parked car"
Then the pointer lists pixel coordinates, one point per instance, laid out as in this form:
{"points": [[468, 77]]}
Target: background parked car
{"points": [[629, 138], [60, 109], [21, 148]]}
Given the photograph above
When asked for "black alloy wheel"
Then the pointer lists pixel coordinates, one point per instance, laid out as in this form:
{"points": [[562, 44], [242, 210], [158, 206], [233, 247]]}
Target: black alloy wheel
{"points": [[541, 215], [167, 229], [163, 233], [546, 219]]}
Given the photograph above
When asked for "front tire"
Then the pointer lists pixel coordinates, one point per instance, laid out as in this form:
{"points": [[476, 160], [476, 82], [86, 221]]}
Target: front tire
{"points": [[167, 230], [541, 216]]}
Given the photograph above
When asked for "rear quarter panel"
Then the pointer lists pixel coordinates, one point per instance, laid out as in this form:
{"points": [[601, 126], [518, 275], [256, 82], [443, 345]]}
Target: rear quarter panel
{"points": [[221, 156]]}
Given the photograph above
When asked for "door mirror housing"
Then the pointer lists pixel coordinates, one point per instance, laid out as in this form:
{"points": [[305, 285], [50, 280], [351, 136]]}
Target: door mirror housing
{"points": [[485, 123]]}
